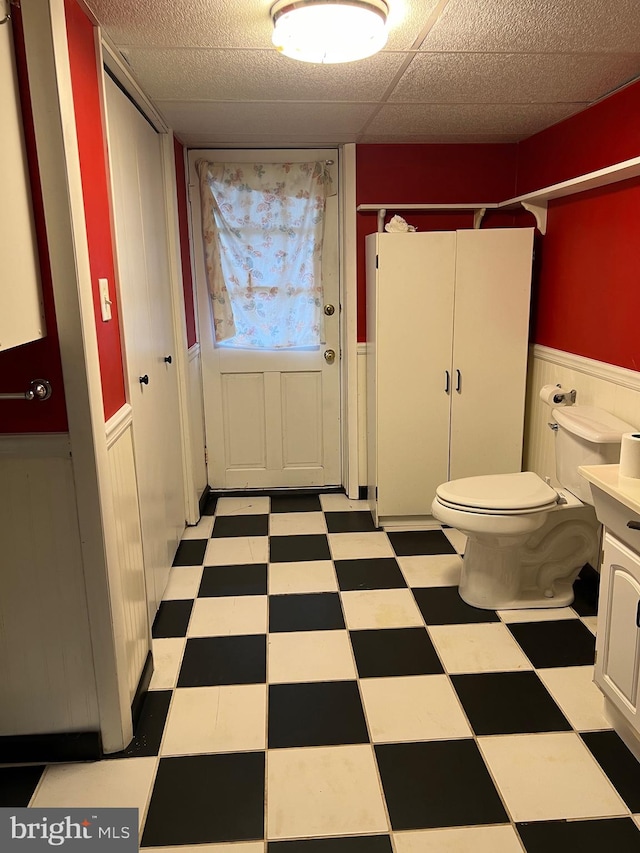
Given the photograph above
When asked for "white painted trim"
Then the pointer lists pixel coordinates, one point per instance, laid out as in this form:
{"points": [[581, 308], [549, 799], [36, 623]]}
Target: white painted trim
{"points": [[428, 206], [194, 351], [47, 54], [598, 369], [112, 59], [117, 424], [622, 171], [179, 322], [36, 445], [350, 472]]}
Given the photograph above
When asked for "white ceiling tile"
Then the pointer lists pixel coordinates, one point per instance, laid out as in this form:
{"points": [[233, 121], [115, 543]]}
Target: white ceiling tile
{"points": [[407, 22], [448, 138], [251, 75], [210, 67], [463, 119], [228, 23], [287, 122], [206, 23], [543, 25], [513, 78]]}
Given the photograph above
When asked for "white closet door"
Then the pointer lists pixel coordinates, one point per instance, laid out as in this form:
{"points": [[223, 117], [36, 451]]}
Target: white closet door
{"points": [[412, 355], [145, 301], [493, 280]]}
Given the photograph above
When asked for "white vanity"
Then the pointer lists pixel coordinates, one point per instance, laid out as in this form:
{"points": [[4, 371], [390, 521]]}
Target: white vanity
{"points": [[617, 670]]}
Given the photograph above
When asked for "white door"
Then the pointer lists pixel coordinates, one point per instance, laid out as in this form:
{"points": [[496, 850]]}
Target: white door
{"points": [[411, 339], [490, 348], [272, 416], [145, 301]]}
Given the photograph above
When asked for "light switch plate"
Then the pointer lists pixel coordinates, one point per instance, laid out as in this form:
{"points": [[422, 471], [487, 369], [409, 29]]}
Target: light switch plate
{"points": [[105, 301]]}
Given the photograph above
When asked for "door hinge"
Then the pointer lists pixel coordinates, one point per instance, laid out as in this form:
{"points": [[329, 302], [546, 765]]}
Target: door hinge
{"points": [[206, 456]]}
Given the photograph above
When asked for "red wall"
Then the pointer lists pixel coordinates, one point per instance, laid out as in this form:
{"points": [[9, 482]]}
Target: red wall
{"points": [[185, 255], [440, 174], [607, 133], [588, 293], [41, 359], [95, 185]]}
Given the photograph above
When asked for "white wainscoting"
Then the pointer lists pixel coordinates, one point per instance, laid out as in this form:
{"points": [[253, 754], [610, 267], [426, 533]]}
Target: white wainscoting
{"points": [[615, 389], [128, 533], [47, 679], [196, 419]]}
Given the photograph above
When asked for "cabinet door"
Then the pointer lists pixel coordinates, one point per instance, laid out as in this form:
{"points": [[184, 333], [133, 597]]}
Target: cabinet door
{"points": [[490, 347], [414, 311], [21, 318], [618, 644]]}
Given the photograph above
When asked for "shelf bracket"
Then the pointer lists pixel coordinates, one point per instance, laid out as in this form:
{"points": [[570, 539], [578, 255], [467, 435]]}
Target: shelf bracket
{"points": [[477, 216], [539, 210]]}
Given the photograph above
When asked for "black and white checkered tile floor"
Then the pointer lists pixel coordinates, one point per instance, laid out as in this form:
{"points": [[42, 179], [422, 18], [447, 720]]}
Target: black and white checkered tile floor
{"points": [[320, 687]]}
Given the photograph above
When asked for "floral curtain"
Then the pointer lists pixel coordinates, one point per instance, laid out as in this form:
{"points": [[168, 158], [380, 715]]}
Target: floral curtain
{"points": [[262, 229]]}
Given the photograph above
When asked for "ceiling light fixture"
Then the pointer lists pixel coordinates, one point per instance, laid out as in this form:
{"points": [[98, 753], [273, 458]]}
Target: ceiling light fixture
{"points": [[329, 31]]}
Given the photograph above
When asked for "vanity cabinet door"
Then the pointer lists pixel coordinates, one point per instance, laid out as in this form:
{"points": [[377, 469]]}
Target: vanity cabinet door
{"points": [[618, 644]]}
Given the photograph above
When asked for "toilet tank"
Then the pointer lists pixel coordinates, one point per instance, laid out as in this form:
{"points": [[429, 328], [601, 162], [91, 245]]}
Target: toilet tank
{"points": [[586, 435]]}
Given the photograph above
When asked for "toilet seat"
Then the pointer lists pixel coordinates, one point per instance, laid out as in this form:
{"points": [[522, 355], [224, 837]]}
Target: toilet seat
{"points": [[498, 494]]}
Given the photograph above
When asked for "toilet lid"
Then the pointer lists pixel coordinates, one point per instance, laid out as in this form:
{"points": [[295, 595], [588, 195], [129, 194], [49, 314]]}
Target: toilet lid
{"points": [[499, 493]]}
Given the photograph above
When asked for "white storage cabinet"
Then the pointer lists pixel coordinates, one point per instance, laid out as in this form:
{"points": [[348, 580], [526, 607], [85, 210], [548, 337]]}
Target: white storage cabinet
{"points": [[617, 670], [447, 341]]}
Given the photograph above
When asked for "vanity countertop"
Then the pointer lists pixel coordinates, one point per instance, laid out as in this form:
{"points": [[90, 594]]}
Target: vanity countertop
{"points": [[606, 477]]}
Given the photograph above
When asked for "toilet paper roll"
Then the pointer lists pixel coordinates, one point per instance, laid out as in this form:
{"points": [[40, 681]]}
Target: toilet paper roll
{"points": [[554, 396], [630, 456]]}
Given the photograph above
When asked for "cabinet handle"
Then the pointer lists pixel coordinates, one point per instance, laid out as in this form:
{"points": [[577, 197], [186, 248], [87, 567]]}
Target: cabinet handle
{"points": [[167, 359], [446, 382], [458, 381], [634, 525], [144, 380], [638, 616]]}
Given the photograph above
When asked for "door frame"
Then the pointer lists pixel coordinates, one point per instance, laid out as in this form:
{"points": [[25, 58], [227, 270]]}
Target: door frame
{"points": [[47, 55], [347, 272]]}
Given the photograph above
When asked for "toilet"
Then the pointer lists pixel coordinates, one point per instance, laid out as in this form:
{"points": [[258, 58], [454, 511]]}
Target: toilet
{"points": [[526, 541]]}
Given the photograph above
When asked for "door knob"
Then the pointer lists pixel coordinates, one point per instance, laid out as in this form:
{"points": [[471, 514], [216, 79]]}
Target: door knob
{"points": [[329, 356], [144, 380], [329, 310]]}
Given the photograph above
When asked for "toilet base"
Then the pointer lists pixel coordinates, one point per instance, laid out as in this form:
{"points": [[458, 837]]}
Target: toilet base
{"points": [[531, 571]]}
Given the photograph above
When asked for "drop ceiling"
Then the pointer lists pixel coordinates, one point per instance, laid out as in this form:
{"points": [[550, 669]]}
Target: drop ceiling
{"points": [[452, 70]]}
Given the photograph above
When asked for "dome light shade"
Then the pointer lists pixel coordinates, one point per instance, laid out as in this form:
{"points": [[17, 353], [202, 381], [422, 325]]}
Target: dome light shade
{"points": [[329, 31]]}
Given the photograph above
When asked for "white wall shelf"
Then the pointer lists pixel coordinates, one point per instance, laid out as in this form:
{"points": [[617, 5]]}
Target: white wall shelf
{"points": [[535, 202], [479, 210]]}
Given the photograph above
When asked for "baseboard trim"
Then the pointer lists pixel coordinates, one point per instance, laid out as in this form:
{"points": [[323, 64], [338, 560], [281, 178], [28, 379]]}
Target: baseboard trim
{"points": [[284, 490], [50, 748], [141, 690], [202, 503]]}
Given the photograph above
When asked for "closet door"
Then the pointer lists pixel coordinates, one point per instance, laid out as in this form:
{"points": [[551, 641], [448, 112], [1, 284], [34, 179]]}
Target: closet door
{"points": [[414, 308], [490, 344], [145, 299]]}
